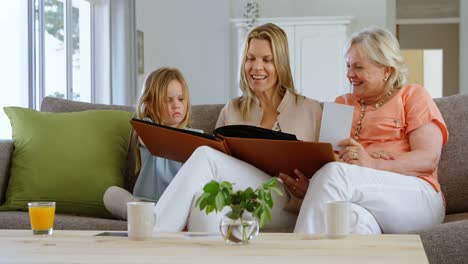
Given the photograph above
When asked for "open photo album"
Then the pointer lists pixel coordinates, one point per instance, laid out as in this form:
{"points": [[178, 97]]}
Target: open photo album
{"points": [[270, 151]]}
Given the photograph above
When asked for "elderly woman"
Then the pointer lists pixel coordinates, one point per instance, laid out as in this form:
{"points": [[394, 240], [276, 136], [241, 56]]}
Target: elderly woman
{"points": [[268, 100], [387, 169]]}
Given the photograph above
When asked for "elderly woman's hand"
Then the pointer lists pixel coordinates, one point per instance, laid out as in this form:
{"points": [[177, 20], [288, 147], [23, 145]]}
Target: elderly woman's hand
{"points": [[296, 188], [385, 155], [354, 153]]}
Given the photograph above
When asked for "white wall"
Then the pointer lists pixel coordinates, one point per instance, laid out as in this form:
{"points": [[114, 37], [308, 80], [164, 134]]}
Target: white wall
{"points": [[190, 35], [366, 12], [200, 40], [463, 47], [433, 72], [391, 15]]}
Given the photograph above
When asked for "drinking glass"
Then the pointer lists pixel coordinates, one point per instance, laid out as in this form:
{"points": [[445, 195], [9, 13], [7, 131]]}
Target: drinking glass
{"points": [[41, 215]]}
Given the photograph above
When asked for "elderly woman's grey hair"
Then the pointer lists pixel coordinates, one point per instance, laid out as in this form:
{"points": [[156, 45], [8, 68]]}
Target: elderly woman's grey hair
{"points": [[383, 49]]}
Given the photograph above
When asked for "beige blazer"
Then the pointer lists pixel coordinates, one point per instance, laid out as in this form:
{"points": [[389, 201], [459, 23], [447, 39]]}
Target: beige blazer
{"points": [[300, 117]]}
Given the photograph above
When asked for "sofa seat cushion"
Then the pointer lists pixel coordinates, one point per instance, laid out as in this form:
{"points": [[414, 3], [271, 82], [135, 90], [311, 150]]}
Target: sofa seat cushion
{"points": [[69, 158], [455, 217], [20, 220]]}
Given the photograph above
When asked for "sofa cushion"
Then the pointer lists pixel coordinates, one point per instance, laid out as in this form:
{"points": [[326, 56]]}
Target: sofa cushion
{"points": [[69, 158], [6, 148], [20, 220], [204, 117], [453, 168], [59, 105], [455, 217]]}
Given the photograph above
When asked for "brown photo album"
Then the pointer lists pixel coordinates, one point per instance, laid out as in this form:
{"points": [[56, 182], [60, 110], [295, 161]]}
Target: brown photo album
{"points": [[270, 151]]}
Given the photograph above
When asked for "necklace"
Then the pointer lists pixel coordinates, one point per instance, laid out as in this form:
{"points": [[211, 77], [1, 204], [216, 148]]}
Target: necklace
{"points": [[363, 110]]}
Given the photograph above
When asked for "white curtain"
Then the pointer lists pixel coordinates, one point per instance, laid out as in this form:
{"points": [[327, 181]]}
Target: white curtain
{"points": [[123, 52]]}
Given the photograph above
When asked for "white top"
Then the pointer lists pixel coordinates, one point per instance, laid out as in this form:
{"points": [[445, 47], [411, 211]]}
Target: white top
{"points": [[300, 116]]}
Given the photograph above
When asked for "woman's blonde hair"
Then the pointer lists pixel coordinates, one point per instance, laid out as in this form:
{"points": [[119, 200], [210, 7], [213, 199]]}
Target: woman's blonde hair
{"points": [[153, 101], [279, 46], [383, 49]]}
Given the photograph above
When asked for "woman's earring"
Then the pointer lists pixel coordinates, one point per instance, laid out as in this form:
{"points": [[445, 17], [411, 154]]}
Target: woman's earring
{"points": [[385, 79]]}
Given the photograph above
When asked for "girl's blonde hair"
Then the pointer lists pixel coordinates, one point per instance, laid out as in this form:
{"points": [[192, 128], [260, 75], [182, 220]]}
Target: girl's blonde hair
{"points": [[153, 101], [279, 46], [383, 49]]}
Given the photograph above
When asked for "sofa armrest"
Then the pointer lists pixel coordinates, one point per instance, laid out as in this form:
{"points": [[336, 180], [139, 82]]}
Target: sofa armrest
{"points": [[6, 152], [446, 243]]}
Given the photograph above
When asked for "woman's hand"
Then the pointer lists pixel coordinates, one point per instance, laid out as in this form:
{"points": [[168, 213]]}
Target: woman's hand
{"points": [[354, 153], [385, 155], [296, 188], [298, 185]]}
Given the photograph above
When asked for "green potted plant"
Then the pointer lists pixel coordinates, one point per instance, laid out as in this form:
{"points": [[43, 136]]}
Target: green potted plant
{"points": [[250, 209]]}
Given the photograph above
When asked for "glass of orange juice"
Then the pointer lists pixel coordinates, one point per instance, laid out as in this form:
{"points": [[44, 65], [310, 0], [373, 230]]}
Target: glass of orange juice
{"points": [[41, 215]]}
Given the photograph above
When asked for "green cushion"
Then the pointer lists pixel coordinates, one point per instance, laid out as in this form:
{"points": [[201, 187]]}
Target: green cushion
{"points": [[69, 158]]}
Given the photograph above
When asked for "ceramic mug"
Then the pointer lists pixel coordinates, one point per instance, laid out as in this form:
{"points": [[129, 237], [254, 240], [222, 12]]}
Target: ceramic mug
{"points": [[140, 220], [339, 219]]}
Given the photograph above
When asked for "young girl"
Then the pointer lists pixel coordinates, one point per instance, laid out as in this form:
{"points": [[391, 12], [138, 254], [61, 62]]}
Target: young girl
{"points": [[165, 100]]}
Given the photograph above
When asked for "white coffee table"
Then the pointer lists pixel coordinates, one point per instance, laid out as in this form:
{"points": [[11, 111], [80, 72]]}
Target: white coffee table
{"points": [[20, 246]]}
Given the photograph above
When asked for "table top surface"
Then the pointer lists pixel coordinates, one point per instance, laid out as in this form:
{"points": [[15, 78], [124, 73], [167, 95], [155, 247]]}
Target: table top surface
{"points": [[20, 246]]}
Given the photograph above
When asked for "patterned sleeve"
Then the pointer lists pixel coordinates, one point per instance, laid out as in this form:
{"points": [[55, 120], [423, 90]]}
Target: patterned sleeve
{"points": [[420, 109]]}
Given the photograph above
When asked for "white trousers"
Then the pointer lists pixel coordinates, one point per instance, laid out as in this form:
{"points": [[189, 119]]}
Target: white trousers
{"points": [[385, 201], [176, 207]]}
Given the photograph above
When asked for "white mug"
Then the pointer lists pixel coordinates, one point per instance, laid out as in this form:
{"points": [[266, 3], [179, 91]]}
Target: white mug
{"points": [[140, 220], [339, 219]]}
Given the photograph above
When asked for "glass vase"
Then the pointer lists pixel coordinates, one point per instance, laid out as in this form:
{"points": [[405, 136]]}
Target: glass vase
{"points": [[239, 230]]}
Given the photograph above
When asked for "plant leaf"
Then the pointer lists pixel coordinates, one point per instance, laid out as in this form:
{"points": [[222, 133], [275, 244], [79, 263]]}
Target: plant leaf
{"points": [[202, 201], [209, 209], [219, 202], [270, 183], [258, 211], [227, 197], [249, 194], [237, 197], [261, 194], [226, 185], [276, 190], [267, 212], [211, 187], [217, 195], [262, 220], [269, 199]]}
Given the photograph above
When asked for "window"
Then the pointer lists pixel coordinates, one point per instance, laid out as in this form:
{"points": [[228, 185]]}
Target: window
{"points": [[63, 44], [60, 62]]}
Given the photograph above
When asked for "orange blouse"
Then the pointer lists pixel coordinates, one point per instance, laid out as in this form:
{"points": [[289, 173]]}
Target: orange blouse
{"points": [[387, 128]]}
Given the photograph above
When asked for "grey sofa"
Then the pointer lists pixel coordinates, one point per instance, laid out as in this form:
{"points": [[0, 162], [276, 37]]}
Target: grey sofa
{"points": [[445, 243], [205, 117]]}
